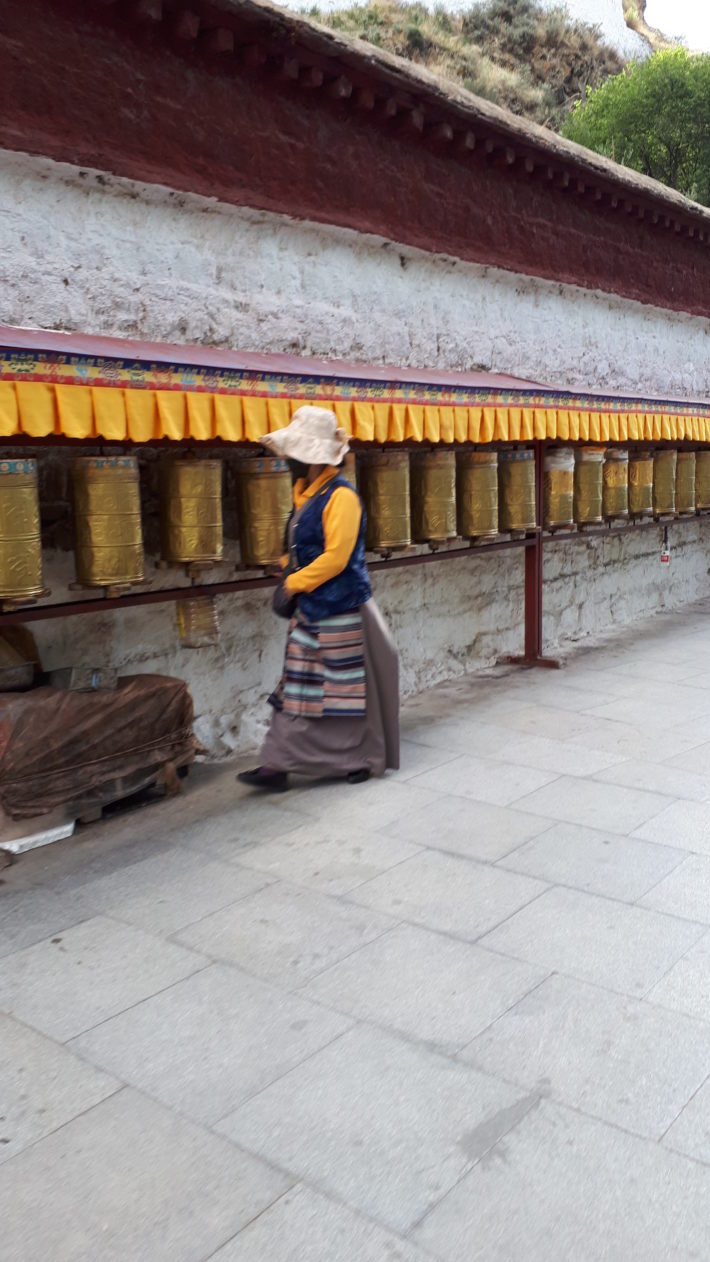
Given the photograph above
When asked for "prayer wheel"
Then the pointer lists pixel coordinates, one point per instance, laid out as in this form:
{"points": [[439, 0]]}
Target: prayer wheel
{"points": [[516, 490], [107, 521], [558, 488], [615, 484], [641, 483], [264, 503], [20, 546], [191, 511], [664, 473], [198, 624], [477, 494], [685, 483], [702, 479], [348, 469], [588, 482], [433, 496], [384, 487]]}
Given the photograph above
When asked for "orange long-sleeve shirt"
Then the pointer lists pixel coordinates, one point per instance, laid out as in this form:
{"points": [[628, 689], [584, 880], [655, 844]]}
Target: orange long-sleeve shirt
{"points": [[341, 522]]}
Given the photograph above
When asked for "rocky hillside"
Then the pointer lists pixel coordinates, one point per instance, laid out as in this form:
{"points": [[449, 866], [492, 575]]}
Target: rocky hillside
{"points": [[534, 60]]}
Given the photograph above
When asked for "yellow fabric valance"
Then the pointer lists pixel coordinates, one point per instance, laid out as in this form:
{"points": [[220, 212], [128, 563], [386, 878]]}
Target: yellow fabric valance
{"points": [[40, 409]]}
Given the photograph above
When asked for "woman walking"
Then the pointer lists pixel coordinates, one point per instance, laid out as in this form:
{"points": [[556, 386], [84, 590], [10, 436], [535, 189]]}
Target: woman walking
{"points": [[336, 707]]}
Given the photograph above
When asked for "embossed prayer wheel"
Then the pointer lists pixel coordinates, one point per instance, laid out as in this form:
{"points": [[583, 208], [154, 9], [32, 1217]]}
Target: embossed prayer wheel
{"points": [[108, 538], [264, 503], [702, 479], [348, 469], [20, 546], [477, 494], [588, 482], [433, 476], [558, 488], [384, 487], [685, 483], [641, 483], [615, 484], [665, 462], [191, 511], [516, 490]]}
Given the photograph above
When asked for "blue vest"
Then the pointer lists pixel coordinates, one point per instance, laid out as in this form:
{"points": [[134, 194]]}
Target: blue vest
{"points": [[348, 589]]}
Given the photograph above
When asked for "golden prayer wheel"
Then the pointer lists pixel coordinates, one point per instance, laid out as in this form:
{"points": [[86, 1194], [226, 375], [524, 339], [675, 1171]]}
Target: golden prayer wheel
{"points": [[685, 483], [20, 545], [641, 484], [348, 469], [702, 479], [191, 511], [433, 476], [516, 490], [107, 521], [477, 494], [384, 487], [588, 481], [558, 488], [615, 484], [664, 473], [264, 503]]}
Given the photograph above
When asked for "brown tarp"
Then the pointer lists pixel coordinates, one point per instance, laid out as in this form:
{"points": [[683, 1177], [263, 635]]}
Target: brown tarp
{"points": [[61, 748]]}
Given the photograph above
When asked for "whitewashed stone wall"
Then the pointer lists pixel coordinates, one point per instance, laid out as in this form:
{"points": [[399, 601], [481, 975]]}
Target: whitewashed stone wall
{"points": [[88, 252]]}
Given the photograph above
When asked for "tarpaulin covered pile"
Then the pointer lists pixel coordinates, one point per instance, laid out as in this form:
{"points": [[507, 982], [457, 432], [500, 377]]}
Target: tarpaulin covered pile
{"points": [[76, 749]]}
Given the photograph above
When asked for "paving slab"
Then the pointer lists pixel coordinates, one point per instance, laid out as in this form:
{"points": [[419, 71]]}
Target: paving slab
{"points": [[285, 934], [366, 806], [608, 807], [561, 757], [685, 825], [464, 827], [331, 859], [598, 940], [43, 1086], [560, 1186], [383, 1126], [130, 1180], [672, 781], [444, 892], [29, 914], [686, 986], [426, 986], [593, 861], [685, 891], [166, 892], [499, 783], [83, 975], [305, 1226], [690, 1132], [618, 1059], [210, 1042]]}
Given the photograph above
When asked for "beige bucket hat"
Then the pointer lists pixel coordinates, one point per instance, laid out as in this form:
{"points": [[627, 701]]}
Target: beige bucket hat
{"points": [[313, 436]]}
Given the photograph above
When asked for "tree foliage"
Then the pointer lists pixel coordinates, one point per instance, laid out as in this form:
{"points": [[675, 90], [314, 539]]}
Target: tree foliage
{"points": [[655, 118]]}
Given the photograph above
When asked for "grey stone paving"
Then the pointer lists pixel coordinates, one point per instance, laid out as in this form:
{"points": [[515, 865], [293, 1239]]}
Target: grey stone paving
{"points": [[462, 1013]]}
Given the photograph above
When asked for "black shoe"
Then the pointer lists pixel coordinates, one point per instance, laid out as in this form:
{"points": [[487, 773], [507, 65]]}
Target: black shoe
{"points": [[358, 777], [270, 781]]}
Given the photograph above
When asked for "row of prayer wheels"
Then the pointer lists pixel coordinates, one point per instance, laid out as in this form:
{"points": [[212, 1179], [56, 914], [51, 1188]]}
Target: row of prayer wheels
{"points": [[591, 485], [421, 497]]}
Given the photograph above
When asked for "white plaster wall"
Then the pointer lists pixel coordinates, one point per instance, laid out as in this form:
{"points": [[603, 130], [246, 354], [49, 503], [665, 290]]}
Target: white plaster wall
{"points": [[89, 252]]}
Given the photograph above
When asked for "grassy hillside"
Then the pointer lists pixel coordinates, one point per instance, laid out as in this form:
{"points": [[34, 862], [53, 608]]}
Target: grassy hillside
{"points": [[536, 62]]}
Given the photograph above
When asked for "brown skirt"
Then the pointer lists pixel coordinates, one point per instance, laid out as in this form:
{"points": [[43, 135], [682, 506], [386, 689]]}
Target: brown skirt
{"points": [[331, 747]]}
